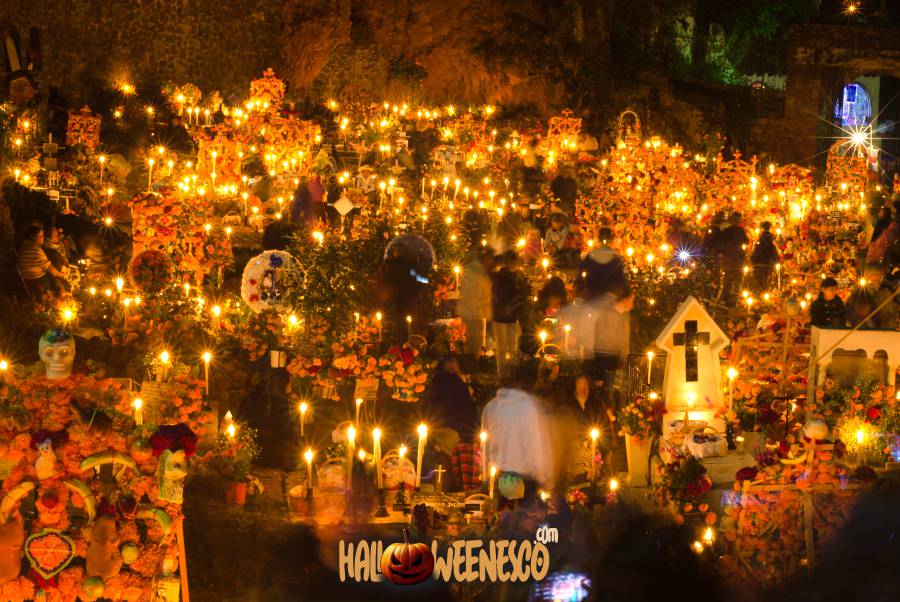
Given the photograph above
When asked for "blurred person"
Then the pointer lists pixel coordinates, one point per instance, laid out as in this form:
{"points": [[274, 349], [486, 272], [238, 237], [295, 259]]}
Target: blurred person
{"points": [[518, 439], [603, 270], [764, 257], [510, 294], [871, 294], [879, 246], [612, 340], [475, 305], [732, 249], [564, 188], [39, 274]]}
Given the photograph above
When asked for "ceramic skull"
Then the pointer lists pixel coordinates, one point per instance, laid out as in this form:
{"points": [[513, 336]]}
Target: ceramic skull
{"points": [[57, 352]]}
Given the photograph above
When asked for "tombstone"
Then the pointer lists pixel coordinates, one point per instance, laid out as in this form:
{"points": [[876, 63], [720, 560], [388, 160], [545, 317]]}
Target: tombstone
{"points": [[851, 355], [693, 378]]}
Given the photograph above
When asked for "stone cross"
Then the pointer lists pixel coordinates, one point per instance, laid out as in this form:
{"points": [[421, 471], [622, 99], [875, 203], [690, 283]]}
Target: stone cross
{"points": [[690, 339], [438, 483]]}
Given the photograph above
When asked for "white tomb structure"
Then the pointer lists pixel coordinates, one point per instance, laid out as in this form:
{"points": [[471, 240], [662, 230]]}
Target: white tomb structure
{"points": [[693, 379], [825, 341]]}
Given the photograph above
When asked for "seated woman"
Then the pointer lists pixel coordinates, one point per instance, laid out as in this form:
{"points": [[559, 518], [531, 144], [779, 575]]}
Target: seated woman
{"points": [[579, 411], [40, 276], [447, 403]]}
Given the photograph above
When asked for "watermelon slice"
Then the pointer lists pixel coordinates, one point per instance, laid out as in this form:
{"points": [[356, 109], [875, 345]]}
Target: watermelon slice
{"points": [[49, 552]]}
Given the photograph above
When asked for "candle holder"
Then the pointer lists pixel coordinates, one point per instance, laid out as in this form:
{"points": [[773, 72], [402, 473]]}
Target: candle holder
{"points": [[310, 502], [382, 510], [400, 502]]}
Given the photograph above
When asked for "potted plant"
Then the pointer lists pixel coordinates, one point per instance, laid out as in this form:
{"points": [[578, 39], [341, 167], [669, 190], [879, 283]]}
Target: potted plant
{"points": [[232, 458]]}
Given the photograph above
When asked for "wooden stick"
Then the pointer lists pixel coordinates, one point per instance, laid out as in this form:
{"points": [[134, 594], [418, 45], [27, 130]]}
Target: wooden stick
{"points": [[182, 557]]}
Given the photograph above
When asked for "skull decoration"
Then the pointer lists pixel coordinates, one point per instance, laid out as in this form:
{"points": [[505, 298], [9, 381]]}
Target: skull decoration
{"points": [[57, 351], [171, 474]]}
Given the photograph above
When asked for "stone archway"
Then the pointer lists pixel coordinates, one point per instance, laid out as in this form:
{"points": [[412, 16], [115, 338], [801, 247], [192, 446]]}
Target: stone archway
{"points": [[822, 60]]}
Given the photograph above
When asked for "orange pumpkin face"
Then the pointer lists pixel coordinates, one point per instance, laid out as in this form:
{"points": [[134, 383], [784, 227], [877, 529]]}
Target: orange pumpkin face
{"points": [[407, 563]]}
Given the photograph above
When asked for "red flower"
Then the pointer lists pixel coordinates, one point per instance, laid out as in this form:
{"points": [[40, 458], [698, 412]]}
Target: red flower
{"points": [[873, 413], [746, 473], [407, 354]]}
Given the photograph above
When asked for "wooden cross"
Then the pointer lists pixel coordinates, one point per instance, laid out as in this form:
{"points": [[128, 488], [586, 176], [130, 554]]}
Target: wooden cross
{"points": [[438, 484], [690, 339]]}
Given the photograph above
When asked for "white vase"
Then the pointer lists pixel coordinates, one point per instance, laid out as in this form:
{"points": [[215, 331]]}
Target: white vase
{"points": [[637, 452]]}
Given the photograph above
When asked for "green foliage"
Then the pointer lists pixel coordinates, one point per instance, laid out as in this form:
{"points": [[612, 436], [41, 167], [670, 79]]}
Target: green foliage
{"points": [[659, 295]]}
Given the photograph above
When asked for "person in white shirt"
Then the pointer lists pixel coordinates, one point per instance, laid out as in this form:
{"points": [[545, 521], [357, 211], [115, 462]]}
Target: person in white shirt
{"points": [[518, 437]]}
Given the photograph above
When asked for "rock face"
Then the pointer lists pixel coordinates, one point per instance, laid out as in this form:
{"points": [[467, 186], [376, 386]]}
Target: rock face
{"points": [[522, 51]]}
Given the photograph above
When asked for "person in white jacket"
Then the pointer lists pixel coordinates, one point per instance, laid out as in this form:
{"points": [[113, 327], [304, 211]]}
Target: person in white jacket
{"points": [[475, 297], [518, 437]]}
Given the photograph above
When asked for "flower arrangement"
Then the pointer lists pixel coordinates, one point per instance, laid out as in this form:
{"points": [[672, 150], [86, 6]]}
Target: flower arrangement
{"points": [[151, 271], [401, 370], [640, 418], [232, 457], [683, 480]]}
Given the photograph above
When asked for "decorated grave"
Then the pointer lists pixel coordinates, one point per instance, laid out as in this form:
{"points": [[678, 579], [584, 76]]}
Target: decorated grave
{"points": [[92, 482]]}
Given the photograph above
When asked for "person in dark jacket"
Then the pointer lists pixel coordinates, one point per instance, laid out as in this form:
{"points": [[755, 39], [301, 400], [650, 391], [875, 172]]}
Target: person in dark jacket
{"points": [[827, 311], [302, 211], [882, 223], [565, 188], [732, 248], [764, 257], [510, 305], [447, 402], [603, 270]]}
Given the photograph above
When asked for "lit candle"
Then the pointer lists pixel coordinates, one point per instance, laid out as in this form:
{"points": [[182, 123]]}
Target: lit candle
{"points": [[309, 458], [409, 328], [483, 437], [138, 404], [359, 403], [164, 359], [484, 333], [690, 406], [351, 449], [491, 484], [595, 434], [102, 159], [207, 356], [303, 409], [456, 270], [376, 448], [542, 335], [649, 366], [566, 328], [423, 436], [150, 163], [378, 320], [732, 373]]}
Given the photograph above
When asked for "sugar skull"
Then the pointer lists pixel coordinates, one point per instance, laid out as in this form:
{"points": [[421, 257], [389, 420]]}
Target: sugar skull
{"points": [[57, 352]]}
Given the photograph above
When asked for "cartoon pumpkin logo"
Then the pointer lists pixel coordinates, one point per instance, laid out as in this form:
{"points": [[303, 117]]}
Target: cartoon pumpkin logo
{"points": [[407, 563]]}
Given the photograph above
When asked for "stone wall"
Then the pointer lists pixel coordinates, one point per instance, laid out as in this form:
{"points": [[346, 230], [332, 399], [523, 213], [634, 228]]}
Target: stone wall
{"points": [[93, 44], [821, 60]]}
